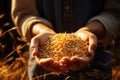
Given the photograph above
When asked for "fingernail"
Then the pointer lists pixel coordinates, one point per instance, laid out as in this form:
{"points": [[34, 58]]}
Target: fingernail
{"points": [[34, 52]]}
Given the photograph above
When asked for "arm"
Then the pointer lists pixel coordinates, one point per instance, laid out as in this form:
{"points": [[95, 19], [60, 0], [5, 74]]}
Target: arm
{"points": [[105, 26], [34, 28], [25, 15], [102, 29], [109, 20]]}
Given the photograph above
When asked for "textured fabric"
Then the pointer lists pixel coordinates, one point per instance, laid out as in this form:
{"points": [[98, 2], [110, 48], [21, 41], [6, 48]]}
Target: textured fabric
{"points": [[110, 23], [52, 10]]}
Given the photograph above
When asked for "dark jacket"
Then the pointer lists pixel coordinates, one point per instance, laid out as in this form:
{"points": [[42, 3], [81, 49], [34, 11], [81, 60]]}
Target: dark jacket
{"points": [[66, 15]]}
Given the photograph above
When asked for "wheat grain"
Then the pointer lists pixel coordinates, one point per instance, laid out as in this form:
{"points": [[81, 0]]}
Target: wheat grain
{"points": [[63, 44]]}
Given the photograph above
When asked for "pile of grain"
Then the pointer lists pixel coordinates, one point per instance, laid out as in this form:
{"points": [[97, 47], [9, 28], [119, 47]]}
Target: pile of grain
{"points": [[63, 44]]}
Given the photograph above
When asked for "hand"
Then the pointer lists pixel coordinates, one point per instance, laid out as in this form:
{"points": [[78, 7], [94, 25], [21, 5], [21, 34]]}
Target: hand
{"points": [[47, 63], [89, 37], [38, 40], [76, 63], [40, 33], [41, 36], [51, 65]]}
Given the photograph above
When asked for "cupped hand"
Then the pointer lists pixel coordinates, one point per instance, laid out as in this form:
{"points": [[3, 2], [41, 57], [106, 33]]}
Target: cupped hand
{"points": [[41, 33], [76, 63], [89, 37], [47, 63], [38, 40], [51, 65], [65, 64], [41, 37]]}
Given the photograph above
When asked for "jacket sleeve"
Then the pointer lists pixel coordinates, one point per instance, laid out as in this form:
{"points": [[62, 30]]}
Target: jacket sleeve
{"points": [[110, 18], [24, 15]]}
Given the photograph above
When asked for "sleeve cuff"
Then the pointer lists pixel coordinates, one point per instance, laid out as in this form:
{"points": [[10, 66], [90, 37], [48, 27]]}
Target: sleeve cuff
{"points": [[29, 22], [111, 25]]}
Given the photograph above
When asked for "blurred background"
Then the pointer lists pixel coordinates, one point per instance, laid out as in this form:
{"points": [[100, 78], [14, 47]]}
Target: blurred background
{"points": [[14, 50]]}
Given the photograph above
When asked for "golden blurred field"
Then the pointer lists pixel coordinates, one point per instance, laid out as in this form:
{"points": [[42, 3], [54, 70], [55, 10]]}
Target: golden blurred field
{"points": [[14, 50], [14, 55]]}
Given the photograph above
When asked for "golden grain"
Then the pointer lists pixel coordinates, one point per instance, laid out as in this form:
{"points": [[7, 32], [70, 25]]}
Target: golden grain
{"points": [[63, 44]]}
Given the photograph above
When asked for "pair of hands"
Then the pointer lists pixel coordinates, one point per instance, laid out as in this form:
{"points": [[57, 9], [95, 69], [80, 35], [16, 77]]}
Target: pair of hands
{"points": [[65, 64]]}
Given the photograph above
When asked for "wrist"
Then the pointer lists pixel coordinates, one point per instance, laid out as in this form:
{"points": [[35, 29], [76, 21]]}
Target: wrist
{"points": [[97, 28], [40, 28]]}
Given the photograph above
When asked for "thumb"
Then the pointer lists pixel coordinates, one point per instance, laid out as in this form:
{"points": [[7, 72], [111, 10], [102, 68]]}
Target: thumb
{"points": [[92, 44], [34, 46]]}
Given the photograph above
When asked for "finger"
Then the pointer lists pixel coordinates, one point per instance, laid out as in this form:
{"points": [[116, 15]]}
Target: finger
{"points": [[92, 44], [36, 41], [82, 35], [56, 67], [65, 61], [82, 60], [69, 64], [34, 52], [44, 62], [34, 46], [79, 63], [51, 65]]}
